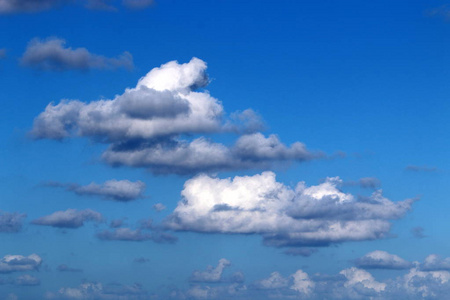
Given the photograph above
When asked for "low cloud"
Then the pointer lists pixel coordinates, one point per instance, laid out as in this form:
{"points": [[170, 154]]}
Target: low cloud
{"points": [[434, 262], [11, 222], [16, 263], [116, 190], [70, 218], [305, 216], [52, 54], [382, 260]]}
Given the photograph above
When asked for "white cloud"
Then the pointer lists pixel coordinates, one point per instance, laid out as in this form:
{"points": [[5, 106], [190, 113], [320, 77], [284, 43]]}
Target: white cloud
{"points": [[357, 276], [316, 215], [15, 263], [434, 262], [211, 274], [70, 218]]}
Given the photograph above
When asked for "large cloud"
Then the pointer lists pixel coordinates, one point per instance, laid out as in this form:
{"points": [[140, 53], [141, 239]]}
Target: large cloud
{"points": [[70, 218], [52, 55], [316, 215], [11, 222], [15, 263], [117, 190], [147, 126], [382, 260]]}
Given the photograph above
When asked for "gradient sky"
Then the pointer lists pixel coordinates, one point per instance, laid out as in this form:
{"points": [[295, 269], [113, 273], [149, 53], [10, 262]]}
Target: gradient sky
{"points": [[224, 149]]}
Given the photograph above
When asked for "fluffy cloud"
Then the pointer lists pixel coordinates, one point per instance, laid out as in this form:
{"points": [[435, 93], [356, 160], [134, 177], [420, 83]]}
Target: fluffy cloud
{"points": [[317, 215], [2, 53], [145, 126], [382, 260], [93, 290], [11, 222], [274, 281], [117, 190], [15, 263], [70, 218], [136, 235], [52, 55]]}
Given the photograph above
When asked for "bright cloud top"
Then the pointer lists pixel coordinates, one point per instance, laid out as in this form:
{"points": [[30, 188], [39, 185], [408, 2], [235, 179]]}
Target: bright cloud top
{"points": [[145, 125], [382, 260], [317, 215], [16, 263]]}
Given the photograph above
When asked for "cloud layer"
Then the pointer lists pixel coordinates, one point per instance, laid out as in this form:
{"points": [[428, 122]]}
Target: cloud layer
{"points": [[317, 215]]}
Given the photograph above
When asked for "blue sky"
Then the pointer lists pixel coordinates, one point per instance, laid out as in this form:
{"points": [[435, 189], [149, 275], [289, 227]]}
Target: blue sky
{"points": [[229, 116]]}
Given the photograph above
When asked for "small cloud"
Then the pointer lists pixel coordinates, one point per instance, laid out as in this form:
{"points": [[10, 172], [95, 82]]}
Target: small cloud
{"points": [[70, 218], [11, 222], [52, 54], [365, 183], [66, 268], [16, 263], [2, 53], [137, 235], [137, 4], [211, 274], [305, 252], [434, 262], [382, 260], [116, 223], [27, 280], [141, 260], [159, 207], [418, 232], [414, 168]]}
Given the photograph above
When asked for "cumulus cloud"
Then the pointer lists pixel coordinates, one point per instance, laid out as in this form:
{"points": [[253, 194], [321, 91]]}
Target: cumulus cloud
{"points": [[16, 263], [11, 222], [95, 290], [211, 274], [159, 207], [360, 278], [66, 268], [274, 281], [70, 218], [136, 235], [147, 126], [382, 260], [317, 215], [52, 54], [116, 190]]}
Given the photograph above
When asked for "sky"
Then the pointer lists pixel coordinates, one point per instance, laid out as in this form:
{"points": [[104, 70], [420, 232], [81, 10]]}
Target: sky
{"points": [[198, 149]]}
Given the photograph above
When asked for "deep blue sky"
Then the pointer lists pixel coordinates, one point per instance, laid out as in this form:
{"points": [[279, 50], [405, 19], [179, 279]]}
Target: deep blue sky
{"points": [[365, 82]]}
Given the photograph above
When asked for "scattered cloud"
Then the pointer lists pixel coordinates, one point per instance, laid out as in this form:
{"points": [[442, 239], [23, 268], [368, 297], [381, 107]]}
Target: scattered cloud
{"points": [[116, 223], [414, 168], [441, 11], [137, 4], [66, 268], [11, 222], [382, 260], [70, 218], [2, 53], [52, 54], [116, 190], [141, 260], [434, 262], [366, 183], [16, 263], [159, 207], [305, 216], [211, 274], [147, 125]]}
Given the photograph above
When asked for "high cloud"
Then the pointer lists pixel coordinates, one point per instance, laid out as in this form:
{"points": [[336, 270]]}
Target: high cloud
{"points": [[382, 260], [70, 218], [52, 55], [117, 190], [147, 126], [11, 222], [16, 263], [317, 215]]}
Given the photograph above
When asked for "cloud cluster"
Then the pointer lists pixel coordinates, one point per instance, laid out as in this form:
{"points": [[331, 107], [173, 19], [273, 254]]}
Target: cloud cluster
{"points": [[147, 126], [382, 260], [70, 218], [16, 263], [11, 222], [52, 54], [34, 6], [116, 190], [305, 216]]}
